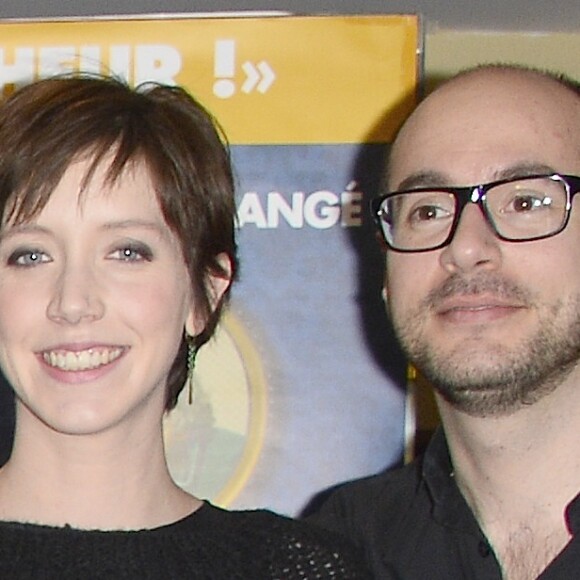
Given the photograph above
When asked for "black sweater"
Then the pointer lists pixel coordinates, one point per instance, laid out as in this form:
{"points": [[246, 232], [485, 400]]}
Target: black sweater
{"points": [[210, 543]]}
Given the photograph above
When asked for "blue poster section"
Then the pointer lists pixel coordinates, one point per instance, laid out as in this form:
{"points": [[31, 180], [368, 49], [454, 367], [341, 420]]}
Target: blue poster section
{"points": [[310, 296]]}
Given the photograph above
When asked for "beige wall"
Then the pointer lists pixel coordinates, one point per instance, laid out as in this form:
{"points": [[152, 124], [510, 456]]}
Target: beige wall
{"points": [[447, 51]]}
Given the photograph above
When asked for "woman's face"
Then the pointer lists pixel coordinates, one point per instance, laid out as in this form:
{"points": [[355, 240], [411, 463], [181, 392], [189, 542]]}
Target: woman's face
{"points": [[94, 301]]}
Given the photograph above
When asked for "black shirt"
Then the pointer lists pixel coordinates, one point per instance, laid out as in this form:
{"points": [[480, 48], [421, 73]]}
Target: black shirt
{"points": [[414, 524]]}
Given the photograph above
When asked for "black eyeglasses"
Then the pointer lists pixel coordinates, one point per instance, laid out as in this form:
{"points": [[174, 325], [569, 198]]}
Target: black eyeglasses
{"points": [[518, 210]]}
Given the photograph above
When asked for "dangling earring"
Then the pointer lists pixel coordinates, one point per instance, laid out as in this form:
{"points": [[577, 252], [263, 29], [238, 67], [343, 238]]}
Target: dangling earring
{"points": [[191, 354]]}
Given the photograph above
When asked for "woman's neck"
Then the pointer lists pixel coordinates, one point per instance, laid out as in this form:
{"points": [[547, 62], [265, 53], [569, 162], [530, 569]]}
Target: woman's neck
{"points": [[108, 480]]}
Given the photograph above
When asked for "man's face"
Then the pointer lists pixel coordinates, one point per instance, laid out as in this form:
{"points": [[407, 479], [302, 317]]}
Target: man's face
{"points": [[494, 325]]}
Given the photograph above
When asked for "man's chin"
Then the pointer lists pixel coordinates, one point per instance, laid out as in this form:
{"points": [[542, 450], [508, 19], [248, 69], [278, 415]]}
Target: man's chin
{"points": [[481, 403]]}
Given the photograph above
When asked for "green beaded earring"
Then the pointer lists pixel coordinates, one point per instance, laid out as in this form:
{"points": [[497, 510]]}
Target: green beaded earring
{"points": [[191, 354]]}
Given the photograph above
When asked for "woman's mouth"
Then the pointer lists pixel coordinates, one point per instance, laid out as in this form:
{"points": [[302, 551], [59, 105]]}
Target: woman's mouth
{"points": [[82, 360]]}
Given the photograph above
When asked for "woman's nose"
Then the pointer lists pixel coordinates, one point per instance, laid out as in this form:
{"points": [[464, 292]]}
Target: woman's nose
{"points": [[75, 297]]}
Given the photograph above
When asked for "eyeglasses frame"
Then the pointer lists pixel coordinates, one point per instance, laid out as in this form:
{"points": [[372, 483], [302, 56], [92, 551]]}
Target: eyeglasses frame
{"points": [[477, 194]]}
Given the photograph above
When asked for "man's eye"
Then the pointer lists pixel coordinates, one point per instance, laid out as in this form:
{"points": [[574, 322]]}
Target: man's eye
{"points": [[27, 258], [427, 213], [526, 203]]}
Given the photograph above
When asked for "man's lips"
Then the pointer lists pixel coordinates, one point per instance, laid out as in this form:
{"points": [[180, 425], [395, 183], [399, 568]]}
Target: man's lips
{"points": [[476, 308]]}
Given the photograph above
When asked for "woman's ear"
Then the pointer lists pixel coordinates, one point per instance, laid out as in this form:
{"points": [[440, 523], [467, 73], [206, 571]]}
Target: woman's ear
{"points": [[217, 286]]}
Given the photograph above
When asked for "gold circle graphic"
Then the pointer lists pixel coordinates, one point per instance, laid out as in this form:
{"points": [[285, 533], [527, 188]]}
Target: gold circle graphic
{"points": [[213, 444]]}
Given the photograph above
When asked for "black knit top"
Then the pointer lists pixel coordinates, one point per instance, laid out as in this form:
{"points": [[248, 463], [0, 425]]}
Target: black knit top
{"points": [[210, 543]]}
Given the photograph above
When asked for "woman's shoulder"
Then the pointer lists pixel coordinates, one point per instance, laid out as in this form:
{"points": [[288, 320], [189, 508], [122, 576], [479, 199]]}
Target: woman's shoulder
{"points": [[293, 548], [210, 542]]}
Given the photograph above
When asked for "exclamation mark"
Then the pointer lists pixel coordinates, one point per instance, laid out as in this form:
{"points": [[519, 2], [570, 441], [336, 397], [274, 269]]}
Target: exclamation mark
{"points": [[224, 68]]}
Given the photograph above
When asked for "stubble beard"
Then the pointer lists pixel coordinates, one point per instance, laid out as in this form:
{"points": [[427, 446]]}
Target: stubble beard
{"points": [[502, 378]]}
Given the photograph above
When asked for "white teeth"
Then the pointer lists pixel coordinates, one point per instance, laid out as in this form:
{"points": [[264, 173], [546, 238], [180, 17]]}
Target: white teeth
{"points": [[81, 360]]}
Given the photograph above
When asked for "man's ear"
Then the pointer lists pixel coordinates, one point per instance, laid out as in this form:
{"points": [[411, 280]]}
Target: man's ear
{"points": [[217, 286]]}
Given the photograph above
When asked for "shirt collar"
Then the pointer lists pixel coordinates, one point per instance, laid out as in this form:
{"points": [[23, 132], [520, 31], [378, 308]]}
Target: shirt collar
{"points": [[573, 516], [449, 505]]}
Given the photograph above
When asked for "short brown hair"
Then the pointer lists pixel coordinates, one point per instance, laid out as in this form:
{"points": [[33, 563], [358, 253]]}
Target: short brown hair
{"points": [[47, 125]]}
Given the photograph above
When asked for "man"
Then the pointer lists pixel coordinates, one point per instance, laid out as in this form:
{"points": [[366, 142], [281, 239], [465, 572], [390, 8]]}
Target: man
{"points": [[483, 288]]}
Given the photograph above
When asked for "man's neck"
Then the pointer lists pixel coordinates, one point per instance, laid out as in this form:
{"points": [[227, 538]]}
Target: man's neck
{"points": [[504, 467]]}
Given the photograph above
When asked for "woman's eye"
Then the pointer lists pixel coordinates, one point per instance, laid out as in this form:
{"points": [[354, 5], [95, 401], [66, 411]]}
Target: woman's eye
{"points": [[28, 258], [132, 253]]}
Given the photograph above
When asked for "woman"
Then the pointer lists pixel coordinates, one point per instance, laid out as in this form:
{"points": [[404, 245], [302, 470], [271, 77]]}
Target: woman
{"points": [[117, 254]]}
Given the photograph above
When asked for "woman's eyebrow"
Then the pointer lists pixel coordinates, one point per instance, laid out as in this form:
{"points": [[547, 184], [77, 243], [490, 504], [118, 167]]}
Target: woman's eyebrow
{"points": [[7, 232]]}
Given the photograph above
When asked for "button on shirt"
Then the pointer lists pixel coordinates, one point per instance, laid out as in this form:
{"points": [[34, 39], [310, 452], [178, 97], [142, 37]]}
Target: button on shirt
{"points": [[413, 523]]}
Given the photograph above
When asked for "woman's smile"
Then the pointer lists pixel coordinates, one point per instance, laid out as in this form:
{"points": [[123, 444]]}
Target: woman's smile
{"points": [[81, 360]]}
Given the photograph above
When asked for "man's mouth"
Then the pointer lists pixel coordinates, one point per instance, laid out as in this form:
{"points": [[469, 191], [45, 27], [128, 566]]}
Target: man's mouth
{"points": [[81, 360], [479, 293], [474, 304]]}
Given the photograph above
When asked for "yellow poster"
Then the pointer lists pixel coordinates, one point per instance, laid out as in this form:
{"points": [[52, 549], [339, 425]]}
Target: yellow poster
{"points": [[268, 80]]}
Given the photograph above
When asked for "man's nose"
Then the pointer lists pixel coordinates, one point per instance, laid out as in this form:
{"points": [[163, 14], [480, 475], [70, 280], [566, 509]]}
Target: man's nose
{"points": [[474, 243]]}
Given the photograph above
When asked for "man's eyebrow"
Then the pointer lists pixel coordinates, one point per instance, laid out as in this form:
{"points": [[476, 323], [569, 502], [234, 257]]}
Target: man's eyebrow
{"points": [[437, 179], [524, 170], [423, 179]]}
